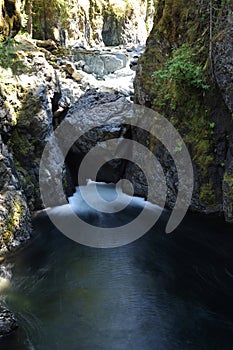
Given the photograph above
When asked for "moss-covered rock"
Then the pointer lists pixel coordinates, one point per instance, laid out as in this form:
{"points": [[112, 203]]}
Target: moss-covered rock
{"points": [[14, 214], [228, 194], [26, 98], [175, 77]]}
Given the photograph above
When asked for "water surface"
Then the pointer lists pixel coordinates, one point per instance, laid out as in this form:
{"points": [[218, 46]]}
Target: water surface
{"points": [[162, 292]]}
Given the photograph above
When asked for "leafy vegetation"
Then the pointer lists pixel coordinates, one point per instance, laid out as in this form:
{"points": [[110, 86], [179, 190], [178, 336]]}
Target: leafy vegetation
{"points": [[179, 71]]}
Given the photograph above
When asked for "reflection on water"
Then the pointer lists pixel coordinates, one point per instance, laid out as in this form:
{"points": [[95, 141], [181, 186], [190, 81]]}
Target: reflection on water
{"points": [[162, 292]]}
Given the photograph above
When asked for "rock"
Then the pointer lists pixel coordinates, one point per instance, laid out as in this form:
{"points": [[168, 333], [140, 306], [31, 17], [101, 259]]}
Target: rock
{"points": [[112, 63], [121, 81], [228, 194], [82, 116], [87, 69], [80, 64], [70, 67], [27, 114], [99, 63], [133, 64], [8, 323], [96, 22], [49, 44], [4, 285], [223, 63], [208, 148], [78, 75], [15, 225], [10, 20]]}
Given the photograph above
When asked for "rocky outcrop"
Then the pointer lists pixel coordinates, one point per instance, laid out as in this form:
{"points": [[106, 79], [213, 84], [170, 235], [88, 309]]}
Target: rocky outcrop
{"points": [[93, 22], [15, 225], [10, 21], [202, 112], [100, 63], [93, 109], [26, 94], [27, 115]]}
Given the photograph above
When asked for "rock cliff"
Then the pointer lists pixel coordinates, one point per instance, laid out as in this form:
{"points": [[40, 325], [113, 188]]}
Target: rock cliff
{"points": [[93, 22], [186, 74]]}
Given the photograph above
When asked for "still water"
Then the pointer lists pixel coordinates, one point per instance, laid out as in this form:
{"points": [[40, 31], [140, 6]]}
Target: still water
{"points": [[162, 292]]}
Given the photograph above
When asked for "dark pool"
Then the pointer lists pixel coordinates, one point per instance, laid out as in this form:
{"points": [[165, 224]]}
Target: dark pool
{"points": [[162, 292]]}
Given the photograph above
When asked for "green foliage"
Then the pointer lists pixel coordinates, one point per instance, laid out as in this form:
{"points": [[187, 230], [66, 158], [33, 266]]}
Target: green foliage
{"points": [[9, 57], [179, 73], [182, 68]]}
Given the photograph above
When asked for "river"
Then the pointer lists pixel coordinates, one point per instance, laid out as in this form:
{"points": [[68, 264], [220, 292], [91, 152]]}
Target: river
{"points": [[161, 292]]}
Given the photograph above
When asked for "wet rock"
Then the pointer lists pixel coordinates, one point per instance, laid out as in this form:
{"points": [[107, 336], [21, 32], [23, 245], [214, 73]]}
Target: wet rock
{"points": [[100, 63], [83, 117], [8, 323]]}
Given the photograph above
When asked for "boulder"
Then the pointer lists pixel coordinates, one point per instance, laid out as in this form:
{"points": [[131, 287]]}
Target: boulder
{"points": [[99, 63], [8, 323], [93, 109], [112, 63]]}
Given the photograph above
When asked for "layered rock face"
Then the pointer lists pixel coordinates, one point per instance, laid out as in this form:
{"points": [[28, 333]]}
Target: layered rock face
{"points": [[93, 22], [195, 36]]}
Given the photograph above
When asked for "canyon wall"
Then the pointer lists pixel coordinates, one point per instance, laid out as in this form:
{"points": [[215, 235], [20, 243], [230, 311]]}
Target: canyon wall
{"points": [[186, 75]]}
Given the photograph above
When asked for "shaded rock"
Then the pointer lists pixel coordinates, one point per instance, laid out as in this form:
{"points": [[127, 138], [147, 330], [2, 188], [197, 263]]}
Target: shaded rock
{"points": [[8, 323], [92, 110], [173, 31], [228, 194], [223, 63]]}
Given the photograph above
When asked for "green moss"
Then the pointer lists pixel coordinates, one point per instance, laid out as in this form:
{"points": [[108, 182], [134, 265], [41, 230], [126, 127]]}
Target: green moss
{"points": [[119, 9], [207, 194], [20, 145], [13, 222], [229, 179]]}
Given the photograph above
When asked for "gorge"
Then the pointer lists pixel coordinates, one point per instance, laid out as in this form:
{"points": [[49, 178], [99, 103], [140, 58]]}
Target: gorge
{"points": [[86, 54]]}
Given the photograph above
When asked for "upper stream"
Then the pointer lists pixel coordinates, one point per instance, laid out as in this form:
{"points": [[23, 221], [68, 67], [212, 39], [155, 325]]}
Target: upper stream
{"points": [[162, 292]]}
